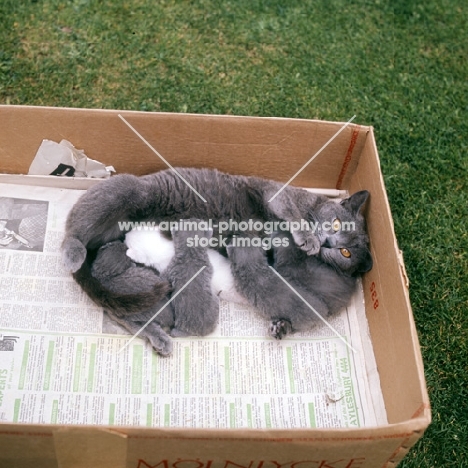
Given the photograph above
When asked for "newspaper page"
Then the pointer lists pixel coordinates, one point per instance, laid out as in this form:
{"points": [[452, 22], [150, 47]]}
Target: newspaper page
{"points": [[62, 360]]}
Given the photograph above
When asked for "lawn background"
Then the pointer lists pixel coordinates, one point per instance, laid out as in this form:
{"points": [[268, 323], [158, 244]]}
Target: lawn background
{"points": [[400, 66]]}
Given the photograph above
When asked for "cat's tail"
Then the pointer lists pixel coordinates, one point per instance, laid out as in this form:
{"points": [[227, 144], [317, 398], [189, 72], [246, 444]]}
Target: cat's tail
{"points": [[95, 219], [120, 304]]}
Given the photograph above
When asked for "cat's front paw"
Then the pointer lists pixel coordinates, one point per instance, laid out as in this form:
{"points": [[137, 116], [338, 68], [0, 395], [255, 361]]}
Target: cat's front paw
{"points": [[73, 254], [280, 328], [161, 344], [307, 241]]}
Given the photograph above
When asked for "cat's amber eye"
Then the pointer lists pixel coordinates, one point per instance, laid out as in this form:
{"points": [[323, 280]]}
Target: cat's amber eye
{"points": [[345, 252], [336, 225]]}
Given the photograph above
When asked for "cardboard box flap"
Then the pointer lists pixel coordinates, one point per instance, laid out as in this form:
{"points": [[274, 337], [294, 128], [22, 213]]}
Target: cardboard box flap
{"points": [[84, 446], [76, 448]]}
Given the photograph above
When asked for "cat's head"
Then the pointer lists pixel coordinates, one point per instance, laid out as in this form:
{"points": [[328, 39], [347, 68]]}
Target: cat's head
{"points": [[341, 229]]}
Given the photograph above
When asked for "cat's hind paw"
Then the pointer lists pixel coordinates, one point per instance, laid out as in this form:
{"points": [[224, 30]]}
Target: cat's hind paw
{"points": [[280, 328], [73, 254], [161, 344]]}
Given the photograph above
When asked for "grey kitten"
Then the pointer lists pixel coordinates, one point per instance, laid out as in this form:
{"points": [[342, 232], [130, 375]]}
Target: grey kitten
{"points": [[120, 286], [193, 311]]}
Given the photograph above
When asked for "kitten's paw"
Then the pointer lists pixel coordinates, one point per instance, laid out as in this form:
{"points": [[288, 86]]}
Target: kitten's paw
{"points": [[280, 328], [161, 344], [204, 231], [136, 256], [73, 254], [307, 241]]}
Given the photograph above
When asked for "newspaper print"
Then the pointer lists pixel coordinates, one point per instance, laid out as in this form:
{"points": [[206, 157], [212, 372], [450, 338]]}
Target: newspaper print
{"points": [[61, 358]]}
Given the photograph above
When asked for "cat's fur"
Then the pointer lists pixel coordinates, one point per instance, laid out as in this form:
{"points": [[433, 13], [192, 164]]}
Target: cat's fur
{"points": [[315, 283], [193, 311], [153, 248], [324, 282], [93, 222], [136, 290]]}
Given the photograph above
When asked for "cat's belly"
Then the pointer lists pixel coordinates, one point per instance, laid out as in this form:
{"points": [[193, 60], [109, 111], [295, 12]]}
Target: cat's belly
{"points": [[222, 281]]}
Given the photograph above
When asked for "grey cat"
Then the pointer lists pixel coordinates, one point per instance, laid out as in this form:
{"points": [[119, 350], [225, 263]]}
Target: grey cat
{"points": [[320, 285], [93, 222], [325, 281], [191, 312]]}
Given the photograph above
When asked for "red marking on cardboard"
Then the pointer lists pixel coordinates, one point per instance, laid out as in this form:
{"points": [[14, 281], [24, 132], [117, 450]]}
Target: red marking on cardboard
{"points": [[348, 157], [354, 462], [395, 453], [374, 296], [420, 410]]}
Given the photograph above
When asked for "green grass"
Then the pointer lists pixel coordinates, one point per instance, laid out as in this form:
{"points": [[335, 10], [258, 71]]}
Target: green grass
{"points": [[399, 65]]}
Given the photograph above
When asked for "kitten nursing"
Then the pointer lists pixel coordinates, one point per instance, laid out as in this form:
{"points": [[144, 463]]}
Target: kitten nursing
{"points": [[321, 264], [151, 248], [194, 312]]}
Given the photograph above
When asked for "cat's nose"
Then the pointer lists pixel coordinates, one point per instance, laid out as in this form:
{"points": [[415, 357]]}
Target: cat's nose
{"points": [[330, 242]]}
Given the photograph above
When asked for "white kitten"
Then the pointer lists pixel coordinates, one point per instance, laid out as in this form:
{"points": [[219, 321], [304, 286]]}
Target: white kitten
{"points": [[153, 249], [150, 248]]}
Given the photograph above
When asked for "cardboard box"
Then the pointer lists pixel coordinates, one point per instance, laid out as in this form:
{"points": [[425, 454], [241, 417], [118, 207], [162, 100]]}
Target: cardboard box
{"points": [[270, 147]]}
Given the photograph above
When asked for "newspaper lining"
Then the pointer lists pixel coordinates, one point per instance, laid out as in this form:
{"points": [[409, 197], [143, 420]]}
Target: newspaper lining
{"points": [[60, 360]]}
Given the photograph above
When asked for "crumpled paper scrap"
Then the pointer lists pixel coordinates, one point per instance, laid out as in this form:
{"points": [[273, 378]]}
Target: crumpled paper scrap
{"points": [[63, 159], [335, 393]]}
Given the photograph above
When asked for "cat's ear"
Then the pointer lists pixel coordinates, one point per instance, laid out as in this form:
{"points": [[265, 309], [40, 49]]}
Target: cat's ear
{"points": [[366, 262], [356, 202]]}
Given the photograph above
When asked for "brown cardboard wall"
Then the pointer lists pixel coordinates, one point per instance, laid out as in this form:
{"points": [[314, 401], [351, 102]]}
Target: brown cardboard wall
{"points": [[23, 446], [268, 147], [392, 329]]}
